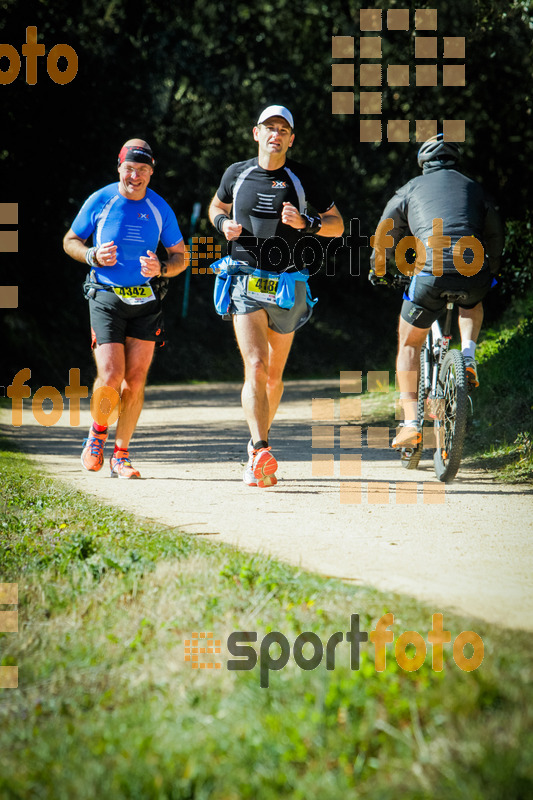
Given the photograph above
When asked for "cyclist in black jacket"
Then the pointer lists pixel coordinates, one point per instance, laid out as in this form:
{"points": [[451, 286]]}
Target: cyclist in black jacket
{"points": [[456, 231]]}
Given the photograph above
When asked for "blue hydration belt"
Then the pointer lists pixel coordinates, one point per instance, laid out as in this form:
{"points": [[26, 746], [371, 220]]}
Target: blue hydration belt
{"points": [[226, 268]]}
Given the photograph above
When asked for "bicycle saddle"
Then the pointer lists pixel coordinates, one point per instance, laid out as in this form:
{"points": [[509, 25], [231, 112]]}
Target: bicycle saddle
{"points": [[454, 297]]}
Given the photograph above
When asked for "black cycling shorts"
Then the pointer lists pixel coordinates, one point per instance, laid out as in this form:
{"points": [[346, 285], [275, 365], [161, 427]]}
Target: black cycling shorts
{"points": [[422, 304], [112, 320]]}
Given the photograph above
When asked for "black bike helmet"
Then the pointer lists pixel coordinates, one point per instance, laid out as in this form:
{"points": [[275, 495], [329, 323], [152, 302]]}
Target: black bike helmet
{"points": [[436, 148]]}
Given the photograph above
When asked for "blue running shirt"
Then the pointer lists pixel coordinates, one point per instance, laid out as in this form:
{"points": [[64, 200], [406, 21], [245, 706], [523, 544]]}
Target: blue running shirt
{"points": [[135, 226]]}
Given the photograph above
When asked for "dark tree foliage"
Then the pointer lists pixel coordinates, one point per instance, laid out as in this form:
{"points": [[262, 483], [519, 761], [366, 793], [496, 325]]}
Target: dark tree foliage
{"points": [[191, 79]]}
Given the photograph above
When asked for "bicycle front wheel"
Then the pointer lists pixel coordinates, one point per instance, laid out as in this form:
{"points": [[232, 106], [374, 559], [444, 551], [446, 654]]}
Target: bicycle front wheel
{"points": [[451, 428]]}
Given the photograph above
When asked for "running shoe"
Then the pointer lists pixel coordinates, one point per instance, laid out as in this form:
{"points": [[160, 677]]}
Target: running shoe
{"points": [[471, 371], [264, 465], [92, 455], [407, 436], [121, 466], [248, 475]]}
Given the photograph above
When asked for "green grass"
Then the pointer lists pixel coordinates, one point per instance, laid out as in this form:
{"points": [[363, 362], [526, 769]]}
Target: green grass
{"points": [[107, 706], [501, 439]]}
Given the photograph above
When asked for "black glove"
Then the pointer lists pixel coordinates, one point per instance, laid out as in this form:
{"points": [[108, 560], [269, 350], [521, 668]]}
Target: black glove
{"points": [[376, 280]]}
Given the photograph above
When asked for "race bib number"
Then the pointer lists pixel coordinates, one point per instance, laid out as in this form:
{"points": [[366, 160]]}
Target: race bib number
{"points": [[262, 288], [135, 295]]}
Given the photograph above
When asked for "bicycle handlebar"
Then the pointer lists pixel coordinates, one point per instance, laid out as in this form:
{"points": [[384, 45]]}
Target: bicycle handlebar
{"points": [[394, 281]]}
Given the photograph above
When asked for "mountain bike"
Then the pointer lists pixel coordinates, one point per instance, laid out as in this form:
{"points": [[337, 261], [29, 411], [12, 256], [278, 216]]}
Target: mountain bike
{"points": [[443, 393]]}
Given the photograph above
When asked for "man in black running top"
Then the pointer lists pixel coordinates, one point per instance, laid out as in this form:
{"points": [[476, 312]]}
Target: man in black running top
{"points": [[261, 209]]}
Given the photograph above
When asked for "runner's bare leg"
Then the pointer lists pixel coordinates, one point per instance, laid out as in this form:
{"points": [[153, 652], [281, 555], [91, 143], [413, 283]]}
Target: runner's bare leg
{"points": [[139, 354], [470, 321], [264, 354], [410, 341], [125, 368], [279, 346]]}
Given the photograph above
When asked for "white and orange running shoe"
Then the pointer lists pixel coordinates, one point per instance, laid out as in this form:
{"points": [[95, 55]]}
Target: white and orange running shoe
{"points": [[260, 468], [92, 455], [121, 466]]}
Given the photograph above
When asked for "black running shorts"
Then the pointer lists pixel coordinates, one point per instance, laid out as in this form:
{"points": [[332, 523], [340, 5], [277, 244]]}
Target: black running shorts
{"points": [[422, 303], [112, 320]]}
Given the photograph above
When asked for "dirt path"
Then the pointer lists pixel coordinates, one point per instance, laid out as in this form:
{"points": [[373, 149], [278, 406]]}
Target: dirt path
{"points": [[471, 553]]}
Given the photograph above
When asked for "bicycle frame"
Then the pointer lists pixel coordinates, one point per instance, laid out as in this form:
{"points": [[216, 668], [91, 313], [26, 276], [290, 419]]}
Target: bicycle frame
{"points": [[434, 350], [443, 391]]}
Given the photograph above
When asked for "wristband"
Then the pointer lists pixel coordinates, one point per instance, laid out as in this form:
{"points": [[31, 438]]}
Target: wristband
{"points": [[312, 224], [219, 222], [90, 257], [163, 270]]}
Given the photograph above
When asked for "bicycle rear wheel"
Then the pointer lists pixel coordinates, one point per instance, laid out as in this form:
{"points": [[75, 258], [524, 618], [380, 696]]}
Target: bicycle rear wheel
{"points": [[411, 455], [451, 429]]}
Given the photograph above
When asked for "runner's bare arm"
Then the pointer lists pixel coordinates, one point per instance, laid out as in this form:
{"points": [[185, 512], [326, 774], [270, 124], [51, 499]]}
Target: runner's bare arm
{"points": [[151, 266], [230, 229], [332, 223], [106, 254]]}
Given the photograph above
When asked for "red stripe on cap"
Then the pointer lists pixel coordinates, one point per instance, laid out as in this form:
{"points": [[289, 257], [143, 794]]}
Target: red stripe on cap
{"points": [[132, 153]]}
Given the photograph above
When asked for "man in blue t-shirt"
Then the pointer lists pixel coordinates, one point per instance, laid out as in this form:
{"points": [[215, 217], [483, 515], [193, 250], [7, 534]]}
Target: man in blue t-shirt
{"points": [[126, 221], [261, 209]]}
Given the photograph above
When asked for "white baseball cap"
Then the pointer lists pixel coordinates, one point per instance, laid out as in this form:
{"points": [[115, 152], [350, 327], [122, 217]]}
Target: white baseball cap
{"points": [[276, 111]]}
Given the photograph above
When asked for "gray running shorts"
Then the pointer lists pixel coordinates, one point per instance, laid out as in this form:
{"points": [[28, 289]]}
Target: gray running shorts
{"points": [[281, 320]]}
